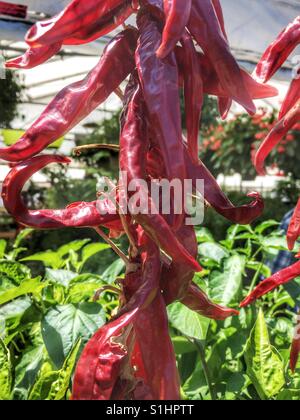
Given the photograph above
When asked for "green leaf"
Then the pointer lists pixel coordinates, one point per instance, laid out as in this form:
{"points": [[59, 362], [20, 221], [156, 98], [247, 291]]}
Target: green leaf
{"points": [[275, 243], [182, 345], [28, 286], [265, 367], [53, 385], [27, 370], [225, 285], [3, 245], [213, 252], [91, 250], [12, 273], [204, 235], [5, 373], [264, 269], [113, 271], [266, 225], [81, 292], [74, 246], [63, 325], [48, 258], [188, 322], [62, 277]]}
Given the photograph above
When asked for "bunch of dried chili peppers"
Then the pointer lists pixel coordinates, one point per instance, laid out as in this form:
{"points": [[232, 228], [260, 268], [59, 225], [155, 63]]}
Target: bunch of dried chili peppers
{"points": [[176, 45]]}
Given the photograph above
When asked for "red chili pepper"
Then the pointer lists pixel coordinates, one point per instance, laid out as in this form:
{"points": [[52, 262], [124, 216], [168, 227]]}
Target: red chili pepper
{"points": [[218, 200], [220, 16], [81, 20], [295, 350], [81, 214], [205, 28], [152, 331], [102, 361], [291, 98], [293, 232], [78, 100], [177, 16], [193, 94], [162, 99], [278, 279], [133, 149], [197, 301], [212, 84], [34, 57], [277, 53], [280, 130]]}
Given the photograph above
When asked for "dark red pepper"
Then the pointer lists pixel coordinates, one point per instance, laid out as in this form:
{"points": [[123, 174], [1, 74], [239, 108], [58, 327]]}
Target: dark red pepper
{"points": [[293, 232], [295, 350], [78, 100]]}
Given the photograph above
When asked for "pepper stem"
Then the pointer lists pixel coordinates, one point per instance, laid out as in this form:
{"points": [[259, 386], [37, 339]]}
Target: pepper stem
{"points": [[78, 150], [113, 246]]}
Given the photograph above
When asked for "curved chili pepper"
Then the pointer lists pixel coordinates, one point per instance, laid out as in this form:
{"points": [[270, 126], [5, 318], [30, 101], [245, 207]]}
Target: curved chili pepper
{"points": [[293, 232], [34, 56], [218, 200], [197, 301], [275, 136], [81, 214], [177, 16], [162, 99], [220, 16], [78, 100], [205, 28], [212, 84], [77, 19], [277, 53], [278, 279], [101, 361], [193, 94], [133, 149], [152, 330], [291, 98], [295, 350]]}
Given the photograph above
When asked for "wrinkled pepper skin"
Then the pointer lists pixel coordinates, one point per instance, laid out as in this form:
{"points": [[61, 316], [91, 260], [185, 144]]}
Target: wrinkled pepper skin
{"points": [[275, 136], [78, 100], [193, 94], [101, 362], [217, 199], [77, 215], [205, 28], [278, 279], [34, 57], [133, 149], [162, 100], [277, 53], [177, 16], [76, 23], [152, 331]]}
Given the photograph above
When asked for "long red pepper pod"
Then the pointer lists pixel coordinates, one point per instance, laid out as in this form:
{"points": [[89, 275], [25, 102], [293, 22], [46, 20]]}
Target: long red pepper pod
{"points": [[193, 94], [81, 214], [78, 100], [102, 361], [295, 350], [217, 199], [34, 57], [266, 286], [133, 149], [277, 53], [177, 16], [205, 28], [275, 136], [198, 301], [293, 232], [162, 99], [78, 16], [212, 84], [292, 96], [152, 332], [219, 12]]}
